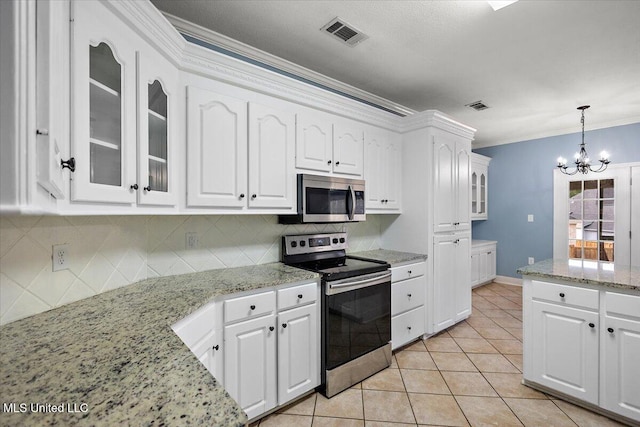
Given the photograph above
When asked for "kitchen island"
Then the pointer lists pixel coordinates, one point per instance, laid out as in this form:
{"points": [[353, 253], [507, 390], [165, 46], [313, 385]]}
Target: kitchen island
{"points": [[581, 328], [113, 359]]}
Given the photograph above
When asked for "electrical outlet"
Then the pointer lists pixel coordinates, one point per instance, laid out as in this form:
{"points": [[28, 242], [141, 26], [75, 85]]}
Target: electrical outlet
{"points": [[191, 240], [530, 217], [60, 257], [531, 260]]}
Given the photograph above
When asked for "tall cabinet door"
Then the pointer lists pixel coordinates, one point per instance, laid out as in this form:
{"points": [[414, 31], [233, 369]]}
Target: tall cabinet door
{"points": [[250, 364], [393, 156], [298, 352], [157, 129], [216, 149], [374, 170], [271, 158], [463, 187], [314, 143], [104, 106], [565, 350], [444, 184], [444, 282], [348, 150]]}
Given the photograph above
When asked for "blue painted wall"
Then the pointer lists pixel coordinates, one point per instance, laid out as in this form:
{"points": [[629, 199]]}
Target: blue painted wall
{"points": [[521, 183]]}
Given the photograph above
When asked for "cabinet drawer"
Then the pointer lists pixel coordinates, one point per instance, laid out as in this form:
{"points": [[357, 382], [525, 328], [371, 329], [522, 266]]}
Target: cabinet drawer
{"points": [[622, 304], [407, 294], [408, 271], [249, 306], [194, 327], [406, 327], [563, 294], [297, 295]]}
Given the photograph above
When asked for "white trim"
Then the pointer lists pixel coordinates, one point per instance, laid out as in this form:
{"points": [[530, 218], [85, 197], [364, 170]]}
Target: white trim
{"points": [[506, 280], [266, 58]]}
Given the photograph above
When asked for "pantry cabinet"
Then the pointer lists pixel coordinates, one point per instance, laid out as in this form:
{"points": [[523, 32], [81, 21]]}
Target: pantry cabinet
{"points": [[452, 194], [451, 280], [382, 170], [479, 186]]}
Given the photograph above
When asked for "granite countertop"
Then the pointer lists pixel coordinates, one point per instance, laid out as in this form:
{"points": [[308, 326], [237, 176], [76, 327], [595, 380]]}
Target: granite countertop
{"points": [[589, 273], [117, 354], [392, 257]]}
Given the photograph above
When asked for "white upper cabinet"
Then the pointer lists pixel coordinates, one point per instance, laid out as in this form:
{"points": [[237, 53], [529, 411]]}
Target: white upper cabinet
{"points": [[382, 170], [347, 149], [452, 193], [479, 186], [271, 158], [216, 149], [157, 130], [314, 143], [104, 106]]}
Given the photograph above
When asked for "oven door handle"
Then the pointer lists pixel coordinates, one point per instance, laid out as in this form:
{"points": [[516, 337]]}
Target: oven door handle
{"points": [[349, 285]]}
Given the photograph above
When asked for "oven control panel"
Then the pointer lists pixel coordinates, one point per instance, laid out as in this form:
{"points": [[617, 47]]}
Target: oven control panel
{"points": [[310, 243]]}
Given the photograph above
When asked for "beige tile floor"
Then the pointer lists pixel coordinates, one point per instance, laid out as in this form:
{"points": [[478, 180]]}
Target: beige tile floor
{"points": [[467, 375]]}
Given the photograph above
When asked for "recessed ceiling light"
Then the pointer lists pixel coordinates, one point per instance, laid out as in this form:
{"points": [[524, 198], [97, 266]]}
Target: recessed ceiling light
{"points": [[499, 4]]}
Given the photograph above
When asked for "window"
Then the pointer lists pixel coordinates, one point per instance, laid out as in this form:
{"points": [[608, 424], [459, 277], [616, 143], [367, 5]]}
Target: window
{"points": [[591, 220]]}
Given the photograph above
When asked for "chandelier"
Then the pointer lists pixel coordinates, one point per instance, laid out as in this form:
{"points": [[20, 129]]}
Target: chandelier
{"points": [[582, 161]]}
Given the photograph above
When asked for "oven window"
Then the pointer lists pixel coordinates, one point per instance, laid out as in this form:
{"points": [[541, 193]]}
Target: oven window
{"points": [[356, 322], [325, 201]]}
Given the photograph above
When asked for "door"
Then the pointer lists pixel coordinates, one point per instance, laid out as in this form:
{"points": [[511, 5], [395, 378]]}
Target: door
{"points": [[157, 130], [444, 282], [250, 364], [348, 149], [375, 170], [564, 349], [298, 352], [209, 352], [216, 149], [393, 173], [271, 158], [444, 178], [314, 143], [462, 272], [621, 377], [104, 106]]}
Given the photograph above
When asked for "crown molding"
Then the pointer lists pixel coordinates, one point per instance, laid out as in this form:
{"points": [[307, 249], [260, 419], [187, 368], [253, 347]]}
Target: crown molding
{"points": [[268, 59], [437, 119]]}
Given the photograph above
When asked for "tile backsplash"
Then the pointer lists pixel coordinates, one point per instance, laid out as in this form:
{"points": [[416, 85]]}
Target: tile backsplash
{"points": [[107, 252]]}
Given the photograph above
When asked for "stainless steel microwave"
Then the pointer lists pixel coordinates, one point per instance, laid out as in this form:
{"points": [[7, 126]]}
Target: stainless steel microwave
{"points": [[324, 199]]}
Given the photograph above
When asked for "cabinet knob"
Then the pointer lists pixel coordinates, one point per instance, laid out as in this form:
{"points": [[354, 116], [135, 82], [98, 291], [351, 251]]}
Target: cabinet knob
{"points": [[299, 296], [284, 325], [409, 295], [328, 162], [134, 187], [147, 188], [337, 163], [409, 271], [253, 307], [69, 164], [271, 328], [216, 347], [610, 330], [253, 196], [242, 195], [561, 294], [409, 327], [591, 325]]}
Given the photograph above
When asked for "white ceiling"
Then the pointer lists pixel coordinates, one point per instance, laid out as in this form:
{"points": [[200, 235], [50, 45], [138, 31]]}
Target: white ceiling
{"points": [[532, 62]]}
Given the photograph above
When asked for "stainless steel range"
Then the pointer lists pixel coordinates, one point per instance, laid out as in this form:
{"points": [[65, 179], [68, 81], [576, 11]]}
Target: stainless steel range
{"points": [[356, 308]]}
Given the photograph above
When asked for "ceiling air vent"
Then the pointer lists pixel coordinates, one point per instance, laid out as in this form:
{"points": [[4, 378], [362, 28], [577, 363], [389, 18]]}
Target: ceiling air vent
{"points": [[478, 106], [346, 33]]}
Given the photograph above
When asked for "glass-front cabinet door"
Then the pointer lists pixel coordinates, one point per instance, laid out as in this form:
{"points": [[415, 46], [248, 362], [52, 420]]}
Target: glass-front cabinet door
{"points": [[157, 86], [104, 102]]}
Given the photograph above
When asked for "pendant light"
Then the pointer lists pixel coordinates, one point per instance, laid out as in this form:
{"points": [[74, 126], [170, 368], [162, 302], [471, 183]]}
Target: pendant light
{"points": [[582, 160]]}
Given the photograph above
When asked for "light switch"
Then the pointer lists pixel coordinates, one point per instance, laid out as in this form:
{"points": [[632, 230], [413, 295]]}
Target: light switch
{"points": [[530, 217]]}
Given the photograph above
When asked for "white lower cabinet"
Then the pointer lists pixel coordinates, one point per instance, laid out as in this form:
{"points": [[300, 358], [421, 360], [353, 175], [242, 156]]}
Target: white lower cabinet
{"points": [[585, 343], [451, 280], [250, 364], [621, 351], [408, 287], [483, 261], [270, 340], [298, 367]]}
